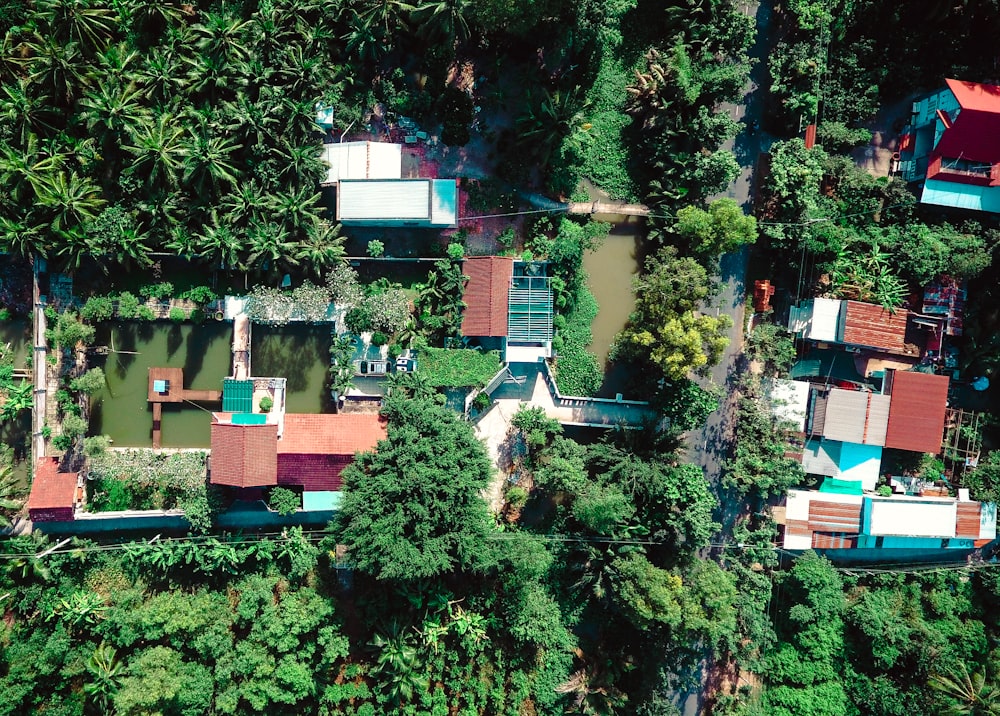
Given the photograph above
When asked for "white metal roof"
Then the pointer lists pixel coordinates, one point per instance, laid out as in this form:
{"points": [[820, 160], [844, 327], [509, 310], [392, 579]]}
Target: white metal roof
{"points": [[387, 200], [816, 320], [362, 160], [916, 517], [790, 401]]}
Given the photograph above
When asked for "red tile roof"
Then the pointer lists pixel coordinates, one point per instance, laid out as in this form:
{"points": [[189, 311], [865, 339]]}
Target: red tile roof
{"points": [[52, 493], [975, 133], [244, 455], [486, 295], [315, 449], [917, 407], [866, 324]]}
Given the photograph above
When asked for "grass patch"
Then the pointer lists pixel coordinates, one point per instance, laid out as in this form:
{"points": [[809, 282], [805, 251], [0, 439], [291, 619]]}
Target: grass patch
{"points": [[458, 367], [607, 159], [577, 371]]}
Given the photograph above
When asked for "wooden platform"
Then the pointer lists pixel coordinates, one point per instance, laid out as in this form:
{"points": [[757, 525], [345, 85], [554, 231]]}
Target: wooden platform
{"points": [[176, 393]]}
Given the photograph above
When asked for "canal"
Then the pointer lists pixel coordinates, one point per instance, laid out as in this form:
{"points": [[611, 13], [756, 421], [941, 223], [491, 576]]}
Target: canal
{"points": [[300, 353]]}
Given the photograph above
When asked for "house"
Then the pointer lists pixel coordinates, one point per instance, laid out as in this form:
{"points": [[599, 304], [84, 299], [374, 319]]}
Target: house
{"points": [[426, 203], [953, 146], [310, 453], [831, 521], [853, 324], [510, 302], [53, 493], [362, 160]]}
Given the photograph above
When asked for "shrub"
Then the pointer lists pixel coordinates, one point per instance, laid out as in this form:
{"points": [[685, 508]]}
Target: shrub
{"points": [[482, 401], [197, 316], [98, 308], [178, 314], [284, 501], [62, 442], [74, 426], [128, 305], [456, 252], [517, 497], [164, 289], [90, 382], [145, 313], [96, 445], [266, 403], [376, 248], [69, 331], [5, 314], [67, 403], [358, 320], [199, 294], [379, 338]]}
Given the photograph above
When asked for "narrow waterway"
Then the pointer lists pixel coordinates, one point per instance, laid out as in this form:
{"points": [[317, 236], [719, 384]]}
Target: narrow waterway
{"points": [[610, 269]]}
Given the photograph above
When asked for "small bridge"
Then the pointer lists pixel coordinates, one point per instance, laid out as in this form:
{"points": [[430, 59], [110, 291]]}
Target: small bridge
{"points": [[608, 207]]}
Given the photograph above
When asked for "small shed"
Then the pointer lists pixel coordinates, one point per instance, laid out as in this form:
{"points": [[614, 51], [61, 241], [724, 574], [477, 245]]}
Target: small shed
{"points": [[817, 319], [53, 493]]}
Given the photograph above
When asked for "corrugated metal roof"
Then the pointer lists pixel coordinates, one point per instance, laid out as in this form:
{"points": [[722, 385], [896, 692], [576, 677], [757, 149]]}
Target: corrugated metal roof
{"points": [[362, 160], [821, 457], [846, 412], [916, 411], [816, 320], [961, 196], [486, 295], [861, 464], [866, 324], [237, 396], [817, 414], [878, 419], [372, 200], [829, 516], [968, 514], [444, 202]]}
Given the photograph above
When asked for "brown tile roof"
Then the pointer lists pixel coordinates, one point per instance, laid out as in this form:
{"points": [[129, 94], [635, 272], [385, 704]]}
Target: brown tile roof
{"points": [[244, 455], [52, 492], [486, 295], [329, 434], [866, 324], [313, 473], [917, 406]]}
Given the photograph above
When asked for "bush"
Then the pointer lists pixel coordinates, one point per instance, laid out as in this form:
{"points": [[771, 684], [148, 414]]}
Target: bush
{"points": [[517, 497], [145, 313], [96, 445], [128, 305], [577, 371], [69, 331], [5, 314], [358, 320], [199, 294], [379, 338], [266, 403], [164, 289], [838, 137], [284, 501], [98, 308], [456, 252], [178, 314], [482, 401], [74, 426], [88, 383], [197, 316], [376, 248]]}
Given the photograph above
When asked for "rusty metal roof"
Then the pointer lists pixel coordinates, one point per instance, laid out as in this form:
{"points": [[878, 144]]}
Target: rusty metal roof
{"points": [[866, 324], [916, 411]]}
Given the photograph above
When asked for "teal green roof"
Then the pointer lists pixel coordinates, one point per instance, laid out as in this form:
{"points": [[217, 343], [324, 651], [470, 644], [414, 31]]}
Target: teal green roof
{"points": [[834, 365], [961, 196], [249, 419], [237, 396], [841, 487], [320, 500]]}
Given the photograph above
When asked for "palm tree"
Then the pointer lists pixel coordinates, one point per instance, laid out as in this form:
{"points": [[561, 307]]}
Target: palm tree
{"points": [[341, 367], [444, 21], [70, 198], [305, 74], [114, 112], [299, 163], [387, 15], [160, 77], [151, 17], [74, 246], [245, 205], [967, 694], [253, 122], [322, 248], [209, 165], [24, 171], [218, 244], [105, 672], [297, 209], [267, 243], [222, 36], [551, 118], [216, 77], [27, 112], [365, 44], [78, 21], [56, 68], [159, 151], [21, 239]]}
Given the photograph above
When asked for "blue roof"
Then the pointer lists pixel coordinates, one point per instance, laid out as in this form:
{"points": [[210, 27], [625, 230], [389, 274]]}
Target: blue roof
{"points": [[961, 196]]}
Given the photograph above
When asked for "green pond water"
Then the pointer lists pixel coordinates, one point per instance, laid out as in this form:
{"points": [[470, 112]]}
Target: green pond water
{"points": [[18, 334], [298, 353], [121, 410]]}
